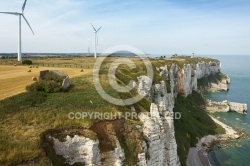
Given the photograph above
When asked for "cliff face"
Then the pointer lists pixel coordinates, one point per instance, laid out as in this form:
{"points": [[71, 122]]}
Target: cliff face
{"points": [[156, 143], [226, 106], [158, 127]]}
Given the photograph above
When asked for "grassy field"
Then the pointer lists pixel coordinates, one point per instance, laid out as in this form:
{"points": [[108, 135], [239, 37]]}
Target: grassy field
{"points": [[26, 116]]}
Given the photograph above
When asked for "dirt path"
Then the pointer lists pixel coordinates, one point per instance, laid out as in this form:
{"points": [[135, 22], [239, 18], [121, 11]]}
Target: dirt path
{"points": [[14, 79]]}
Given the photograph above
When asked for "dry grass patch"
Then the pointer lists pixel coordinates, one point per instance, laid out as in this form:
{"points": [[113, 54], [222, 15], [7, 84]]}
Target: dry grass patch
{"points": [[14, 79]]}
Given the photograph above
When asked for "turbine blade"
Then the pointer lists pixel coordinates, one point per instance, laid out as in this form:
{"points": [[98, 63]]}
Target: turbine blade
{"points": [[13, 13], [28, 24], [24, 4], [93, 27], [98, 29]]}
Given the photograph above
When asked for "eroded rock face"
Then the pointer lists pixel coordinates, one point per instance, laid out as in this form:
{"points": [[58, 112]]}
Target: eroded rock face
{"points": [[158, 129], [185, 85], [102, 144], [86, 151], [221, 86], [144, 86], [115, 157], [226, 106], [78, 150], [213, 106], [204, 69], [238, 107]]}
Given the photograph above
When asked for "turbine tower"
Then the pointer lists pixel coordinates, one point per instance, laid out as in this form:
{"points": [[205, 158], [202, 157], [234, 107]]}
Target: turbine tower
{"points": [[19, 58], [96, 38]]}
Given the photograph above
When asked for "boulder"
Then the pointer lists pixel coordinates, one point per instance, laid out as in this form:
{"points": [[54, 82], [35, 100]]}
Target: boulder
{"points": [[55, 75]]}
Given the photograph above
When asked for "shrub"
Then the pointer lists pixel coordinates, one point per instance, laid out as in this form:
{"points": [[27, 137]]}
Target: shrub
{"points": [[26, 62], [44, 86]]}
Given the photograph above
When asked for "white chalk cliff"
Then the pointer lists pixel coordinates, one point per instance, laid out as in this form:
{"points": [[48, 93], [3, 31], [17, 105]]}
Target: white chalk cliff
{"points": [[158, 126], [159, 145], [226, 106]]}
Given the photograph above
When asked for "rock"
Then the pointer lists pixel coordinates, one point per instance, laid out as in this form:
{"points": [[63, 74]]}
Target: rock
{"points": [[238, 107], [66, 83], [78, 150], [213, 106], [221, 86], [226, 106], [115, 157], [57, 76], [204, 69], [144, 86]]}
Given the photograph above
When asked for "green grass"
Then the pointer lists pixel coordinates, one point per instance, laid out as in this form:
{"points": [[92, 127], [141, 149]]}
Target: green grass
{"points": [[23, 118], [194, 123]]}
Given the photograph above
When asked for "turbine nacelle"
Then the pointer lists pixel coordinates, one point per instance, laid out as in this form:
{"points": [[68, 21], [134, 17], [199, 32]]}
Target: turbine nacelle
{"points": [[96, 37]]}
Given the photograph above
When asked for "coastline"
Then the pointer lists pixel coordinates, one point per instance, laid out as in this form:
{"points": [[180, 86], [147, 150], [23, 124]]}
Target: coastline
{"points": [[198, 155], [230, 132]]}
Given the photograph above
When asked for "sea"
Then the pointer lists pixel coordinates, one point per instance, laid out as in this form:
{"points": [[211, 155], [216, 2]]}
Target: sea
{"points": [[237, 152]]}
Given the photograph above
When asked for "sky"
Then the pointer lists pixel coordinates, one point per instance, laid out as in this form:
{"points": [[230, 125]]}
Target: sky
{"points": [[205, 27]]}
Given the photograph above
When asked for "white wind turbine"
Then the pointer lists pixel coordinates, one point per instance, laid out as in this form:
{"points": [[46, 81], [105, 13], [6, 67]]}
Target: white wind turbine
{"points": [[19, 36], [96, 38]]}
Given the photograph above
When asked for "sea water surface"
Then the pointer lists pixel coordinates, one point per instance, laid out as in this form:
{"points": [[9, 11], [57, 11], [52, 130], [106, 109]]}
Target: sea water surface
{"points": [[238, 152]]}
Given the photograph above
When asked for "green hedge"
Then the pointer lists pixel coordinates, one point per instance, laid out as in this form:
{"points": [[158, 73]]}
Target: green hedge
{"points": [[27, 62]]}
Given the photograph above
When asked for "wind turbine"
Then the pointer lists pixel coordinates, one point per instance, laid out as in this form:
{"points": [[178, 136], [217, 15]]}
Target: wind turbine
{"points": [[19, 58], [96, 38]]}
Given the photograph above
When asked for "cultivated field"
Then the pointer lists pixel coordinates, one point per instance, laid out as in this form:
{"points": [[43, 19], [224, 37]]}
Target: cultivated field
{"points": [[14, 79]]}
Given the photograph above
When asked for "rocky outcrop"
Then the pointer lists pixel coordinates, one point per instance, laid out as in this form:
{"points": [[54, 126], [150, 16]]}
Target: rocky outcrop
{"points": [[78, 150], [238, 107], [144, 86], [213, 106], [204, 69], [221, 85], [86, 151], [226, 106], [114, 157]]}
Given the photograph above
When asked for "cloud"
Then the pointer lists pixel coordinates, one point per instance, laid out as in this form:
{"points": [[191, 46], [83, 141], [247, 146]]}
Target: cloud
{"points": [[162, 26]]}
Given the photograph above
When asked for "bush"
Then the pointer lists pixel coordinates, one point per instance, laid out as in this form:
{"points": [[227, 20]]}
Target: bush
{"points": [[44, 86], [26, 62]]}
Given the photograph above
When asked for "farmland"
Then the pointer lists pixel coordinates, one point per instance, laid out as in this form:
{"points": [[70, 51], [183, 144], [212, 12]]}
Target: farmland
{"points": [[14, 79]]}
